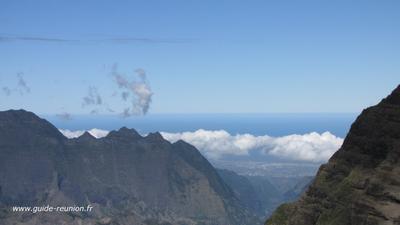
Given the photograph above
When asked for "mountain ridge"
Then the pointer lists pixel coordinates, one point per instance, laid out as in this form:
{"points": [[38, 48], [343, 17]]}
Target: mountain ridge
{"points": [[360, 183], [127, 178]]}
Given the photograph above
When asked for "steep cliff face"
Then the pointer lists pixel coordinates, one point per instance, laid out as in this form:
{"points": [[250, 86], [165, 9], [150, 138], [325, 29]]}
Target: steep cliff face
{"points": [[361, 182], [127, 178]]}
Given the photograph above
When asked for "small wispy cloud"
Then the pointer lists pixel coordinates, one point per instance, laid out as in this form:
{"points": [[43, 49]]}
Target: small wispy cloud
{"points": [[6, 91], [64, 116], [37, 39], [136, 91], [92, 98], [20, 87], [125, 95], [132, 94], [120, 40], [94, 101]]}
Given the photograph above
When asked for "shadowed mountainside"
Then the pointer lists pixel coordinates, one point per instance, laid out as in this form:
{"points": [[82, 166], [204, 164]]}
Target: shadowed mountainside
{"points": [[259, 194], [127, 178], [360, 185]]}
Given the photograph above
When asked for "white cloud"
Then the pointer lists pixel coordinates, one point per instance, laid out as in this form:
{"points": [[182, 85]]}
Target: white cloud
{"points": [[307, 147], [97, 133], [311, 147]]}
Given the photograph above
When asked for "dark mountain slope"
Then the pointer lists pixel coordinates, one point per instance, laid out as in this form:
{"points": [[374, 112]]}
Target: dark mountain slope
{"points": [[244, 190], [298, 189], [127, 178], [361, 182], [258, 194]]}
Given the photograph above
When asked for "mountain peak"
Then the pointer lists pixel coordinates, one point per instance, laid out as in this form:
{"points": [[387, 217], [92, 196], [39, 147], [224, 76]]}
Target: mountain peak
{"points": [[86, 136], [359, 184], [22, 123], [19, 113], [172, 184], [394, 97], [125, 132], [155, 136]]}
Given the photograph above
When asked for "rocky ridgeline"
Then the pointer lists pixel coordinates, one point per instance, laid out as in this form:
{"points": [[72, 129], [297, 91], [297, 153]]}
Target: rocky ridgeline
{"points": [[127, 178], [360, 185]]}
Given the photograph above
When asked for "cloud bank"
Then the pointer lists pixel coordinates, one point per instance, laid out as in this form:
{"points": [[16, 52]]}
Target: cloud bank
{"points": [[312, 147], [214, 144]]}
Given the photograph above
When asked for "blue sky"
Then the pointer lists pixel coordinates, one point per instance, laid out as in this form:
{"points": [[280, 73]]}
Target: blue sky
{"points": [[201, 56]]}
